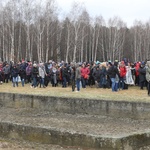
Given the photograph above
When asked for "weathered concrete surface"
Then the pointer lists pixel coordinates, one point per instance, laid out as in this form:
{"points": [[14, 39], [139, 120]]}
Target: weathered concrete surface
{"points": [[52, 136], [134, 110], [85, 131], [97, 124], [10, 144]]}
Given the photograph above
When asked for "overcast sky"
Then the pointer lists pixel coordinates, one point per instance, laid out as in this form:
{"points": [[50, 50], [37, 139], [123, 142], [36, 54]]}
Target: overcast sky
{"points": [[127, 10]]}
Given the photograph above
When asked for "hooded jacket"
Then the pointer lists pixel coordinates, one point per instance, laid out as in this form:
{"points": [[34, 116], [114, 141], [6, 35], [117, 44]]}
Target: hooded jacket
{"points": [[112, 71], [42, 71], [142, 73]]}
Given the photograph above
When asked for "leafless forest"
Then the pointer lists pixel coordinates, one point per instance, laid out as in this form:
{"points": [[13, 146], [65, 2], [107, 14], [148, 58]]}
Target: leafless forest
{"points": [[33, 30]]}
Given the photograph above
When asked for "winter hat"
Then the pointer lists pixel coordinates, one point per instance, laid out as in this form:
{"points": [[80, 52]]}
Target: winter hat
{"points": [[50, 61], [34, 65], [142, 63], [97, 62], [110, 63], [115, 63]]}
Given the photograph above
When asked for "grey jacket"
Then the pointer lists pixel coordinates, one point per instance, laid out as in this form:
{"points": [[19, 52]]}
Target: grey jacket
{"points": [[42, 71], [78, 73], [6, 69], [148, 71]]}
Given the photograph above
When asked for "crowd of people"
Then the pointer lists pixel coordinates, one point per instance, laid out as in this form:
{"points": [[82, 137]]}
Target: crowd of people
{"points": [[115, 75]]}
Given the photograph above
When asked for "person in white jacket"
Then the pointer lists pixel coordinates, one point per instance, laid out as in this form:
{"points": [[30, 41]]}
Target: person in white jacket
{"points": [[42, 74], [129, 80]]}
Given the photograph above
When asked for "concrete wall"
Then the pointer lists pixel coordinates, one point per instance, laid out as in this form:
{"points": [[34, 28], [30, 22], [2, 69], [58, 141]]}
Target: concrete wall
{"points": [[71, 105], [136, 110], [52, 136]]}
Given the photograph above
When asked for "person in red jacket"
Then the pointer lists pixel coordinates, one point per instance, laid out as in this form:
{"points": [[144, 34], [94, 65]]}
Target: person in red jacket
{"points": [[84, 75], [137, 66], [123, 72]]}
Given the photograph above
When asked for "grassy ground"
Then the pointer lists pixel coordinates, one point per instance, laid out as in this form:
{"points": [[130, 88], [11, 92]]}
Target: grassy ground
{"points": [[132, 94]]}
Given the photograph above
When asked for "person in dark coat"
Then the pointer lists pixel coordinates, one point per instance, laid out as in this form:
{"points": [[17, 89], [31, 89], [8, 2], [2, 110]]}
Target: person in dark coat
{"points": [[35, 75], [112, 72], [73, 73], [104, 76], [91, 78], [14, 74], [97, 76], [142, 76], [22, 74], [6, 71], [64, 72], [69, 74], [28, 72]]}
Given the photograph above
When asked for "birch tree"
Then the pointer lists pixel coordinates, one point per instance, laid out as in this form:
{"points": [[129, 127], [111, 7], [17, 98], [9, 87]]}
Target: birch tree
{"points": [[97, 30], [84, 31], [76, 22], [39, 30], [116, 37], [2, 37], [10, 13], [50, 17], [147, 41], [28, 18]]}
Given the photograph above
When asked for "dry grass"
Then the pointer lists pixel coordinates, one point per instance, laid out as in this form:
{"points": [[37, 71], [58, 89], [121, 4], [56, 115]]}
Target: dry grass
{"points": [[132, 94]]}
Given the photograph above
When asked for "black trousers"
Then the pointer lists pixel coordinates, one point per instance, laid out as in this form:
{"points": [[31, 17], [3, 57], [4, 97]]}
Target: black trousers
{"points": [[6, 77], [73, 84], [148, 88]]}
